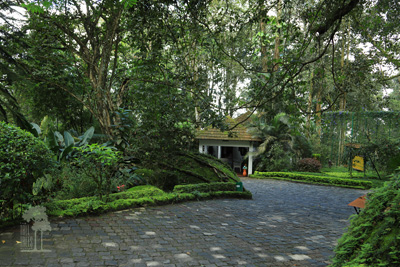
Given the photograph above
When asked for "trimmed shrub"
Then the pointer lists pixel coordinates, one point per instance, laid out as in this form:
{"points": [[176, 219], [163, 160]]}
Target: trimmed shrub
{"points": [[23, 159], [309, 165], [205, 187]]}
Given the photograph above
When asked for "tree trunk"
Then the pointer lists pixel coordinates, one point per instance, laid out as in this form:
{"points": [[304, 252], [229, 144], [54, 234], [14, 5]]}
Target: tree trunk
{"points": [[264, 58], [277, 38], [95, 46], [309, 107], [319, 115], [343, 99]]}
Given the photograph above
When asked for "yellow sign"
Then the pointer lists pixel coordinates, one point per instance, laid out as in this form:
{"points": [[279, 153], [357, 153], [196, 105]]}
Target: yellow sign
{"points": [[358, 163]]}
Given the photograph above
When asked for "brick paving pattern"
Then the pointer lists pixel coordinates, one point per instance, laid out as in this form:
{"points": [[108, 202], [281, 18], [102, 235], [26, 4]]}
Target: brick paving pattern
{"points": [[286, 224]]}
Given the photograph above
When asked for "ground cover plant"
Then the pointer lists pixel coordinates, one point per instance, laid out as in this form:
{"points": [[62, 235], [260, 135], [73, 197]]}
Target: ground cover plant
{"points": [[372, 238]]}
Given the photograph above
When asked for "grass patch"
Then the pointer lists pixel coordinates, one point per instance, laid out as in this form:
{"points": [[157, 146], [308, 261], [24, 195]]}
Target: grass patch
{"points": [[315, 179], [343, 172]]}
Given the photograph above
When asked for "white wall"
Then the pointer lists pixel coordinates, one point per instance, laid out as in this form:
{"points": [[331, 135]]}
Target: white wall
{"points": [[217, 144]]}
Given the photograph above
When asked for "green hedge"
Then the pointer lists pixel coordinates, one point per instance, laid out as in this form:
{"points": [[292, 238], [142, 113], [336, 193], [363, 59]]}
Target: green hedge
{"points": [[145, 196], [323, 180], [205, 187]]}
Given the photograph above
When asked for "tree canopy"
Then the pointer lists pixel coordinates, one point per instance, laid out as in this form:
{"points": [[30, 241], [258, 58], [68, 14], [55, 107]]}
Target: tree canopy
{"points": [[88, 62]]}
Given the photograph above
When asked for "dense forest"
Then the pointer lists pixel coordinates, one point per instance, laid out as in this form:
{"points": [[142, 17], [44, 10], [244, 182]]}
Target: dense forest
{"points": [[109, 95], [144, 75], [157, 64]]}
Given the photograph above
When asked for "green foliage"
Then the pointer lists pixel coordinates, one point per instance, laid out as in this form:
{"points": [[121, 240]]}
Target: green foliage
{"points": [[100, 163], [23, 160], [276, 159], [385, 152], [205, 165], [324, 180], [373, 236], [375, 132], [164, 128], [43, 183], [282, 143], [61, 145], [146, 173], [128, 177], [309, 165], [74, 182], [316, 156]]}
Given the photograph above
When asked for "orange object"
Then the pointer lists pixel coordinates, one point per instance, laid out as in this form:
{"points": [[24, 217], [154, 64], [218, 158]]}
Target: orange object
{"points": [[359, 203], [244, 172]]}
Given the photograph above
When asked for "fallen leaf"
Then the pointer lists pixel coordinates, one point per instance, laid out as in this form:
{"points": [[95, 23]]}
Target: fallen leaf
{"points": [[3, 241]]}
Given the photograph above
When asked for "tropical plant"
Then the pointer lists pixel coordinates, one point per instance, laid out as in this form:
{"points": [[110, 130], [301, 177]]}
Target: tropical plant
{"points": [[281, 145], [61, 145], [100, 163]]}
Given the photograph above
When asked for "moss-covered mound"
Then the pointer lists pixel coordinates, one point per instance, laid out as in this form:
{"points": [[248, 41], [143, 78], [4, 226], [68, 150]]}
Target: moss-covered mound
{"points": [[188, 168], [201, 168], [373, 238]]}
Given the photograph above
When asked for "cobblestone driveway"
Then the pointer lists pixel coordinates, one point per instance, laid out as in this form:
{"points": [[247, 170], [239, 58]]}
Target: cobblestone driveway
{"points": [[286, 224]]}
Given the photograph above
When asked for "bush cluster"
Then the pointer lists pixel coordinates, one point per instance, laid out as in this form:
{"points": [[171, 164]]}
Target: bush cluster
{"points": [[324, 180], [309, 165], [23, 159]]}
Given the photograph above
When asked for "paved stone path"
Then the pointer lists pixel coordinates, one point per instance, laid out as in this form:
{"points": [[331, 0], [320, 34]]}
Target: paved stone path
{"points": [[286, 224]]}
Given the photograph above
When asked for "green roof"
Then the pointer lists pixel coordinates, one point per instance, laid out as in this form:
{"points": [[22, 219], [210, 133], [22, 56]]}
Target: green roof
{"points": [[239, 133]]}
